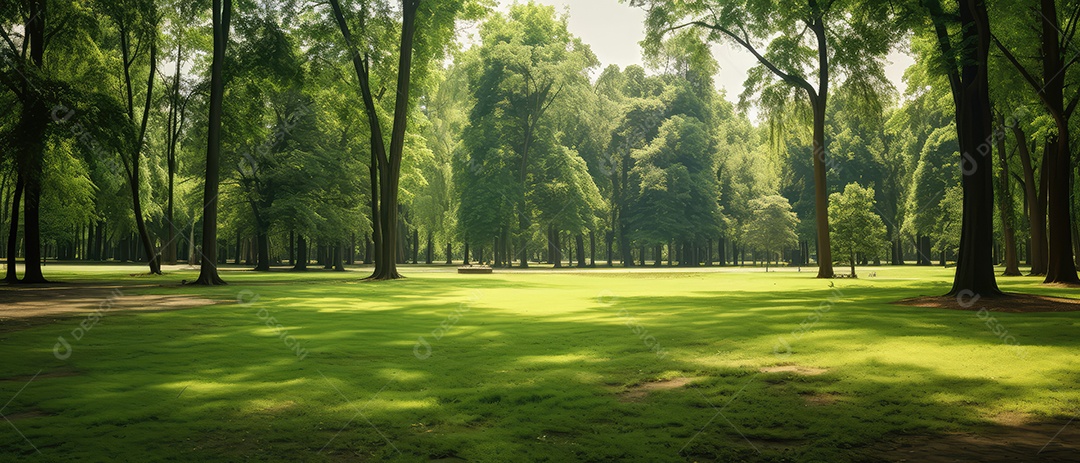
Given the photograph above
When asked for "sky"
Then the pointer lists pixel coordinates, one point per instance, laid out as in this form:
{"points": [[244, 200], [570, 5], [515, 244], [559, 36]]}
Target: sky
{"points": [[613, 30]]}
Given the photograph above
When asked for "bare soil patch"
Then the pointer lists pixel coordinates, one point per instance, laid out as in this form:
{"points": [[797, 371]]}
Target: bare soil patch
{"points": [[1011, 303], [797, 369], [1029, 442], [26, 415], [641, 391], [26, 303], [820, 400]]}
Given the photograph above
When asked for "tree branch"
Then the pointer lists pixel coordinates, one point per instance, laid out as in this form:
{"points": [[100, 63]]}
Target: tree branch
{"points": [[1039, 89], [790, 78]]}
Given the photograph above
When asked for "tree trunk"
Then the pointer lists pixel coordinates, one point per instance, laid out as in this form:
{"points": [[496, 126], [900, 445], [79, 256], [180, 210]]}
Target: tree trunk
{"points": [[974, 264], [415, 245], [609, 239], [1060, 265], [135, 167], [301, 254], [556, 249], [13, 234], [429, 254], [30, 162], [208, 272], [580, 242], [389, 162], [1035, 199], [592, 248], [1005, 205], [449, 253], [262, 263], [339, 265], [465, 260]]}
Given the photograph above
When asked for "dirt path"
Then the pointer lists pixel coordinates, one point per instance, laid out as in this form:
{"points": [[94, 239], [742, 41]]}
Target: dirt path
{"points": [[1026, 442], [1012, 303], [35, 302]]}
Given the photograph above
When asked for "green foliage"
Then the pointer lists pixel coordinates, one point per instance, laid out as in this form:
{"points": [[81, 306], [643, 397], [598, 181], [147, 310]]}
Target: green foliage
{"points": [[857, 228], [677, 189], [516, 170], [934, 175], [771, 225]]}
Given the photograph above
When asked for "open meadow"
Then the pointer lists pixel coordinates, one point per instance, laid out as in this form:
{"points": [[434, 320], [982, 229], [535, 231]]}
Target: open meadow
{"points": [[541, 365]]}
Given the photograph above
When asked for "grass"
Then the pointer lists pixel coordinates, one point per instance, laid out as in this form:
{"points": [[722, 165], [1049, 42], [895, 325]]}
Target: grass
{"points": [[528, 367]]}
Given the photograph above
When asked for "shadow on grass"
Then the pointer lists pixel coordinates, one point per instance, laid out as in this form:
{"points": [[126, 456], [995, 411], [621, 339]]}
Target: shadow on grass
{"points": [[502, 384]]}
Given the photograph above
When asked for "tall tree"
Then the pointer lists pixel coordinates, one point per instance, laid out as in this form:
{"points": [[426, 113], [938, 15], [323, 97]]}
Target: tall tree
{"points": [[436, 19], [136, 23], [208, 272], [964, 61], [791, 41], [528, 62], [1005, 201], [28, 60]]}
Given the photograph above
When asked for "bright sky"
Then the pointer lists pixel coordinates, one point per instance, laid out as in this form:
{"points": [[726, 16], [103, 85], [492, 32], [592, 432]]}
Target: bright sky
{"points": [[614, 29]]}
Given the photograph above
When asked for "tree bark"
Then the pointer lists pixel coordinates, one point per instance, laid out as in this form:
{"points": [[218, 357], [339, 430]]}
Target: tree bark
{"points": [[821, 194]]}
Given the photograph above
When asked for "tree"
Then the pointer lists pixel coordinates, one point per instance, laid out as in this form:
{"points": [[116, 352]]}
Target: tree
{"points": [[964, 61], [934, 175], [1005, 202], [676, 187], [136, 23], [527, 62], [28, 61], [771, 227], [436, 20], [208, 272], [856, 227], [1056, 39], [846, 38]]}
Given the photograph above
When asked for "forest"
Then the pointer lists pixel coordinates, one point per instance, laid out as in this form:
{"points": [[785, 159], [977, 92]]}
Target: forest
{"points": [[203, 163], [524, 148]]}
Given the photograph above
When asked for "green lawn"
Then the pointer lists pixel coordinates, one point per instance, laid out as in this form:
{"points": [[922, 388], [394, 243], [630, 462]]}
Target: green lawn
{"points": [[540, 366]]}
